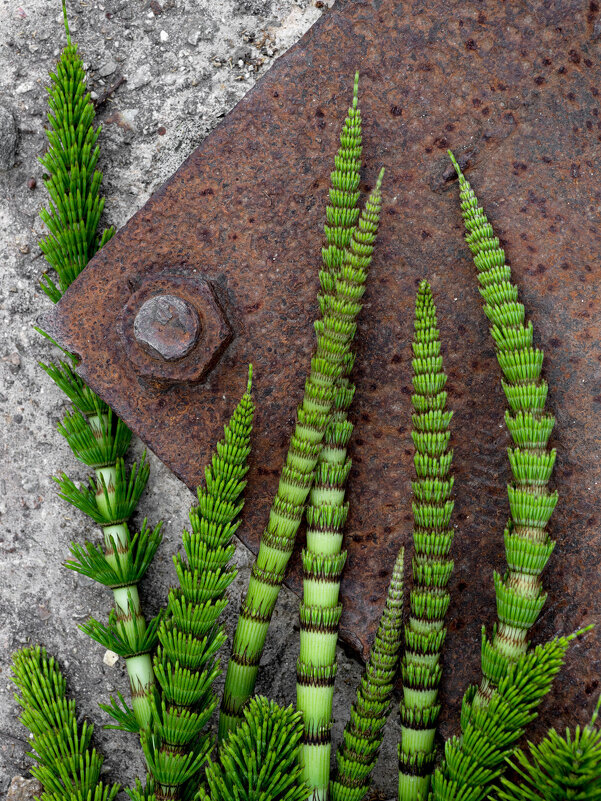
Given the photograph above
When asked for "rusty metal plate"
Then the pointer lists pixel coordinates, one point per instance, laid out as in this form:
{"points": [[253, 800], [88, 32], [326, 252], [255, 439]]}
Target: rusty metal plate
{"points": [[512, 87]]}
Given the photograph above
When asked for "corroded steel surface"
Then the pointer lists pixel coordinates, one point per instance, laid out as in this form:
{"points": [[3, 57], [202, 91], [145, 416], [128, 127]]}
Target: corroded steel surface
{"points": [[512, 87]]}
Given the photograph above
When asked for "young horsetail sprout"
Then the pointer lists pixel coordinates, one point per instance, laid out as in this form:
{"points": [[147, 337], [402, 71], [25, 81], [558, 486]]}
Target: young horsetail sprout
{"points": [[74, 182], [350, 242], [96, 436], [67, 767], [560, 767], [432, 538], [186, 662], [358, 753], [528, 546], [259, 761]]}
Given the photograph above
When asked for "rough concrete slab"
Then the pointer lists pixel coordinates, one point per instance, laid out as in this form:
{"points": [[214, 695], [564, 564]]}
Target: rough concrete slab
{"points": [[187, 62]]}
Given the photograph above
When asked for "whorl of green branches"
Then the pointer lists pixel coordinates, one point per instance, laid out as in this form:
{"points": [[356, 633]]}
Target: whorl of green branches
{"points": [[67, 765], [186, 663], [528, 546], [559, 768], [358, 753], [95, 434], [350, 242], [476, 759], [259, 761], [432, 538], [74, 182]]}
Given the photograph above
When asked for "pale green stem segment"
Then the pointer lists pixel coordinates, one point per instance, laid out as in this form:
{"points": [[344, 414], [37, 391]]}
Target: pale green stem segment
{"points": [[128, 608], [320, 610]]}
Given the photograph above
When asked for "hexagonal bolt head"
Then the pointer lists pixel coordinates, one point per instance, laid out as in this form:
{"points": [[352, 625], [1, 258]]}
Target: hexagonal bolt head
{"points": [[167, 326]]}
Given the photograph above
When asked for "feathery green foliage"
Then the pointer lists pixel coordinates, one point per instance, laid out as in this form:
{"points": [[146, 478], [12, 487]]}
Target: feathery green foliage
{"points": [[489, 732], [528, 546], [74, 182], [67, 765], [350, 237], [560, 768], [186, 663], [363, 734], [432, 538], [95, 434], [259, 761]]}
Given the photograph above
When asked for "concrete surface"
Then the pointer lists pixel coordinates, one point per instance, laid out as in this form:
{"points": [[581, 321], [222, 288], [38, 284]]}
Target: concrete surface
{"points": [[187, 62]]}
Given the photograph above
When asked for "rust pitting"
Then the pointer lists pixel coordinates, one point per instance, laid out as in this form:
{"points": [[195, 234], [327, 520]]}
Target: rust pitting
{"points": [[262, 176]]}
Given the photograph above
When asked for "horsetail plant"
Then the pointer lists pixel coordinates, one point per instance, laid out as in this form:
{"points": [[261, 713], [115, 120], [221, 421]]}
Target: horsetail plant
{"points": [[259, 761], [186, 663], [528, 546], [514, 681], [96, 436], [559, 767], [474, 761], [67, 766], [323, 563], [347, 256], [73, 181], [358, 753], [323, 558], [432, 537]]}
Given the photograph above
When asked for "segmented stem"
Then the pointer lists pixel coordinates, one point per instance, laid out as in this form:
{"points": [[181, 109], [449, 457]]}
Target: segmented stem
{"points": [[323, 563], [358, 753], [96, 436], [432, 538], [340, 302], [528, 546]]}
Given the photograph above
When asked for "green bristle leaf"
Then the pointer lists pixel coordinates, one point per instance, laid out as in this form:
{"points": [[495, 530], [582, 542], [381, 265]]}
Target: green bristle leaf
{"points": [[525, 556], [130, 561], [260, 759], [528, 431], [531, 510], [514, 609], [66, 765]]}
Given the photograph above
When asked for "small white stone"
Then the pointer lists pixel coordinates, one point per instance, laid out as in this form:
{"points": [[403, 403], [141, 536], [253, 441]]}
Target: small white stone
{"points": [[110, 658], [164, 36]]}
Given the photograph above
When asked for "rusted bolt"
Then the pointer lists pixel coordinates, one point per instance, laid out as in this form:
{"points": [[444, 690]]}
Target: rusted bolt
{"points": [[173, 328], [167, 326]]}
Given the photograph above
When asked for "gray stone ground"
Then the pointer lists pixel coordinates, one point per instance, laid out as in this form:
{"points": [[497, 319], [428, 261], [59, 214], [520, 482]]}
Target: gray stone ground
{"points": [[187, 63]]}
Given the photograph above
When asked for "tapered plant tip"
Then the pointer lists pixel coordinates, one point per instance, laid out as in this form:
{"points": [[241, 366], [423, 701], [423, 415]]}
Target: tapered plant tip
{"points": [[455, 163], [249, 385], [424, 287], [66, 21], [596, 712], [380, 178], [356, 90], [580, 632]]}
